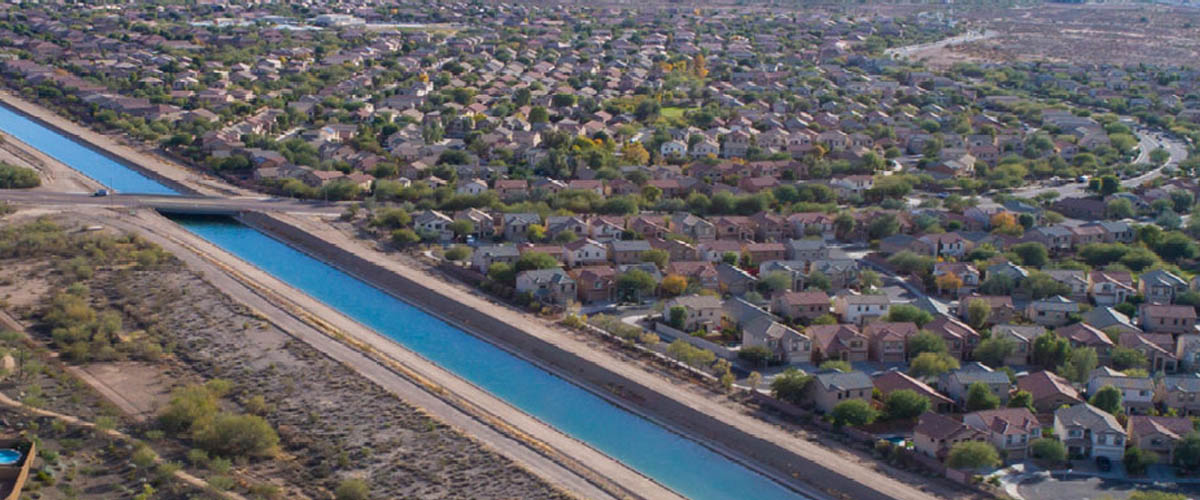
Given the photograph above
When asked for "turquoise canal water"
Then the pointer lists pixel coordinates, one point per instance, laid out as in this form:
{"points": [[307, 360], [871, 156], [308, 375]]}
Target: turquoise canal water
{"points": [[679, 463], [99, 167]]}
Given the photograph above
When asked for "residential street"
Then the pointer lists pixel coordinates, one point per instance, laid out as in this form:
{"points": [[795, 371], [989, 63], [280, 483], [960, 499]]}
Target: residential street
{"points": [[1148, 141], [1090, 488]]}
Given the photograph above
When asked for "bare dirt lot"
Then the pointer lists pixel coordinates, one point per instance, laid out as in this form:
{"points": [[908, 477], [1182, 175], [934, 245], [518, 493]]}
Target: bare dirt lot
{"points": [[1081, 34], [333, 423]]}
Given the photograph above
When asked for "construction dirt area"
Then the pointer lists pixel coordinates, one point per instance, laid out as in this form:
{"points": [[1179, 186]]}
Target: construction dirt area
{"points": [[1088, 34], [173, 322]]}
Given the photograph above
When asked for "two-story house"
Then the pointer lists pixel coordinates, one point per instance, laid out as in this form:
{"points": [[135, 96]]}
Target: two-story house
{"points": [[842, 342], [830, 388], [788, 345], [1137, 393], [596, 284], [1022, 337], [1157, 318], [888, 341], [1049, 390], [434, 223], [896, 380], [859, 309], [699, 311], [485, 257], [1181, 393], [585, 252], [1109, 288], [960, 338], [551, 286], [1051, 311], [1010, 430], [1085, 335], [1160, 286], [627, 251], [936, 434], [1159, 435], [800, 306], [1089, 432], [958, 382], [1074, 279]]}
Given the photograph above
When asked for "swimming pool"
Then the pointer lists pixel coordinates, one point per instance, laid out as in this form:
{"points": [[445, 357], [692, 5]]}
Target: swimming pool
{"points": [[9, 456]]}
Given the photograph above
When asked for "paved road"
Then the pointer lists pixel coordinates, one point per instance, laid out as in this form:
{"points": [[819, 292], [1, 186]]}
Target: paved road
{"points": [[1148, 142], [1090, 488], [198, 204], [909, 50]]}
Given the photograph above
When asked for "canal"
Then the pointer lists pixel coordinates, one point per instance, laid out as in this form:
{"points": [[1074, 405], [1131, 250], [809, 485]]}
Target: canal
{"points": [[674, 461]]}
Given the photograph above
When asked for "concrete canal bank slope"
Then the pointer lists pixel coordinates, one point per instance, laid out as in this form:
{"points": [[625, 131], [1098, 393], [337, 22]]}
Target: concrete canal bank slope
{"points": [[809, 468]]}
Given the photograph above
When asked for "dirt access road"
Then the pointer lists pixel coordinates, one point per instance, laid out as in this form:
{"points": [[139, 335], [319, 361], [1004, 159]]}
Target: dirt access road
{"points": [[199, 255]]}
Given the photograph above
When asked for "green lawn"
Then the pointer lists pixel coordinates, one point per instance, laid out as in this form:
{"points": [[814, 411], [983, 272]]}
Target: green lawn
{"points": [[674, 112]]}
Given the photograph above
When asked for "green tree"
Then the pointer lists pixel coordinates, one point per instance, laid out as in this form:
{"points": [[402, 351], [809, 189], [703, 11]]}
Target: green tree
{"points": [[678, 314], [1041, 285], [904, 404], [980, 397], [925, 341], [757, 355], [973, 455], [907, 262], [1187, 451], [932, 364], [458, 253], [1050, 450], [978, 312], [883, 226], [908, 313], [502, 272], [188, 405], [16, 177], [1109, 184], [352, 489], [237, 436], [1139, 259], [1108, 398], [657, 256], [1176, 246], [1079, 364], [462, 227], [994, 350], [1050, 351], [538, 114], [1119, 208], [535, 232], [790, 386], [535, 260], [1138, 460], [1021, 399], [774, 282], [635, 284], [853, 412], [1124, 358], [868, 279], [405, 237], [391, 218], [1031, 253], [836, 364]]}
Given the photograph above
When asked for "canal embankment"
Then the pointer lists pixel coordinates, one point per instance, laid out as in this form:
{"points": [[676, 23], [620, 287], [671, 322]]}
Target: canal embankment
{"points": [[175, 177], [809, 469]]}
